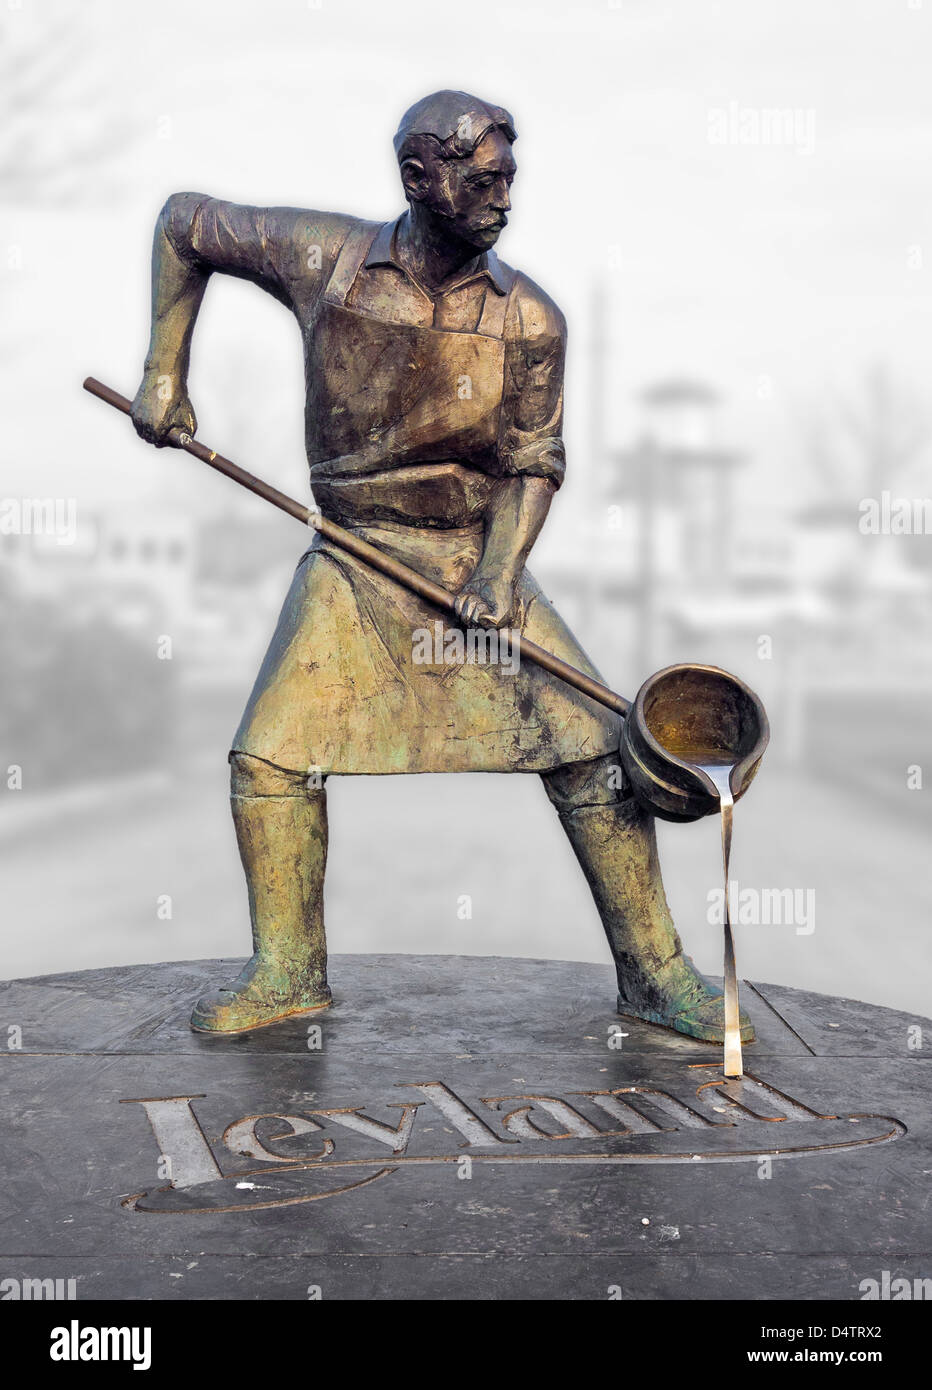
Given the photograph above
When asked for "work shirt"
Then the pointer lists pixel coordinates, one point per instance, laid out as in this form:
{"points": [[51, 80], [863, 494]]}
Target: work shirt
{"points": [[292, 253], [418, 403]]}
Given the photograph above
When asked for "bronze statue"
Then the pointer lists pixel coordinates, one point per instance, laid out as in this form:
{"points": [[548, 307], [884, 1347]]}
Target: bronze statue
{"points": [[433, 429]]}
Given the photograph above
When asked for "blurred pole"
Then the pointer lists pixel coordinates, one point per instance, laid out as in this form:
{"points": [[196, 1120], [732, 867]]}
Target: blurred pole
{"points": [[793, 702], [648, 456], [593, 596]]}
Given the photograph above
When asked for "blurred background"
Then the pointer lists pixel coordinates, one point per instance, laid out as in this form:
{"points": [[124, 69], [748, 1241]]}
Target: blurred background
{"points": [[730, 203]]}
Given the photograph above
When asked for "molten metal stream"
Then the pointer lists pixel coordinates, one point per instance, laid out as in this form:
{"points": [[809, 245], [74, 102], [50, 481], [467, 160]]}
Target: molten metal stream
{"points": [[720, 774]]}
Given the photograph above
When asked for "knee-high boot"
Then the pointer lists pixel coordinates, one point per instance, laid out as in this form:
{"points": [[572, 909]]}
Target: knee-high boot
{"points": [[616, 845], [283, 846]]}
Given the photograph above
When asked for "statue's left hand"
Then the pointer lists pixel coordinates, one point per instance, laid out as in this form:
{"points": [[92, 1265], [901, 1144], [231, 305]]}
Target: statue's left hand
{"points": [[488, 601]]}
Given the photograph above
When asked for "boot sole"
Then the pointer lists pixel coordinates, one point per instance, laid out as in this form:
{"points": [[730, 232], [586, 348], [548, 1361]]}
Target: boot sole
{"points": [[714, 1039], [265, 1023]]}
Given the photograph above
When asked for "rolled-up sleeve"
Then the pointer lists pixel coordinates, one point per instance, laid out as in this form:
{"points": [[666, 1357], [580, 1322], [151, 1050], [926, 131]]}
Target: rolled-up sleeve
{"points": [[535, 353]]}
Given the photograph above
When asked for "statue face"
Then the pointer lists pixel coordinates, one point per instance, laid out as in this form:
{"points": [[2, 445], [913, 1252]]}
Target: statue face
{"points": [[472, 194]]}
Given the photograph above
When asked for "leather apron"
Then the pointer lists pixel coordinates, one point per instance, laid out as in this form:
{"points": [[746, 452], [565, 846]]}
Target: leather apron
{"points": [[402, 433]]}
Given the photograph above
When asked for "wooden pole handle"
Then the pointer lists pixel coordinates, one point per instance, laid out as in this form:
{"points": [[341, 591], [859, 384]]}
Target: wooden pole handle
{"points": [[369, 554]]}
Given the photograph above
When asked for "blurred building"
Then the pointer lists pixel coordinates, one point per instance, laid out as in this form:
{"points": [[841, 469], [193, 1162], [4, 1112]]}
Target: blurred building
{"points": [[127, 637], [135, 565], [826, 623]]}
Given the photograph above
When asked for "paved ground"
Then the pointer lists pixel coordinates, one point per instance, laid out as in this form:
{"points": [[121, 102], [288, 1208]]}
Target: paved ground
{"points": [[458, 1128]]}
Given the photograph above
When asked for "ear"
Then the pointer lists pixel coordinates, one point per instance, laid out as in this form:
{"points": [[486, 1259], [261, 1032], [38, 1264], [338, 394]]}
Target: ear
{"points": [[414, 179]]}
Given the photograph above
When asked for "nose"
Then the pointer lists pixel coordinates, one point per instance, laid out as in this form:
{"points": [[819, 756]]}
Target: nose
{"points": [[501, 198]]}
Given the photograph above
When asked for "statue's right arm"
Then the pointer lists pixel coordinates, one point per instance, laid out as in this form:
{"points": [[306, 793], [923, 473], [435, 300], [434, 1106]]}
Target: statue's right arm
{"points": [[178, 284], [288, 251]]}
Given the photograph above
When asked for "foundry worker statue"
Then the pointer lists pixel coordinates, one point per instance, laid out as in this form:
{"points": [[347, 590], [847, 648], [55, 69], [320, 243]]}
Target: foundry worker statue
{"points": [[434, 379]]}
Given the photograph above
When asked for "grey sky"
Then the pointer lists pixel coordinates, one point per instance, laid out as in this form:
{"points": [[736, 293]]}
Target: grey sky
{"points": [[737, 262]]}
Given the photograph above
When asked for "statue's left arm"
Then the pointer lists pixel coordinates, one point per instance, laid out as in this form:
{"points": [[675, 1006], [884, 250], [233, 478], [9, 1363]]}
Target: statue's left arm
{"points": [[517, 511], [532, 458]]}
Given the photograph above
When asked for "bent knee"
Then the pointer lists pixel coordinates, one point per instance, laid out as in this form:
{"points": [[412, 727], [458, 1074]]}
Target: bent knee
{"points": [[251, 776], [599, 782]]}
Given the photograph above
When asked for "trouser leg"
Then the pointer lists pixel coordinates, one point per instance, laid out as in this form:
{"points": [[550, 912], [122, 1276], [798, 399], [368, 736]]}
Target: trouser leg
{"points": [[614, 840], [281, 830]]}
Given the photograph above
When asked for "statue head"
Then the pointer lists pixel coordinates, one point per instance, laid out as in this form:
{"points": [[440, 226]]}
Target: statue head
{"points": [[454, 152]]}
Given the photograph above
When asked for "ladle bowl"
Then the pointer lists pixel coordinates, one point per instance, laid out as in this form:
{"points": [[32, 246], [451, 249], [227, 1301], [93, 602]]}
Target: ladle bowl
{"points": [[682, 717]]}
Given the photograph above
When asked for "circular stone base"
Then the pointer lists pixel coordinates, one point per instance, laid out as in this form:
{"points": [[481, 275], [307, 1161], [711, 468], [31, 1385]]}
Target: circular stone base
{"points": [[456, 1128]]}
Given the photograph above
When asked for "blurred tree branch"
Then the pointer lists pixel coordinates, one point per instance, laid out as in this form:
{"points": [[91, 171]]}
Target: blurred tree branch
{"points": [[58, 123], [868, 441]]}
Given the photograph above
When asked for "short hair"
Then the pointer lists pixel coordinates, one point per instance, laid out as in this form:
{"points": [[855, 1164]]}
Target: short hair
{"points": [[450, 125]]}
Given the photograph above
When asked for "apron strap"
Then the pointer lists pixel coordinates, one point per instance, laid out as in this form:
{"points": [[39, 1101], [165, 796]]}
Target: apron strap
{"points": [[492, 319], [494, 309], [353, 252]]}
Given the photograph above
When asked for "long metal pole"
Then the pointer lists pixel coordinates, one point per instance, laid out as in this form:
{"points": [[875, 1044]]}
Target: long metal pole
{"points": [[369, 554]]}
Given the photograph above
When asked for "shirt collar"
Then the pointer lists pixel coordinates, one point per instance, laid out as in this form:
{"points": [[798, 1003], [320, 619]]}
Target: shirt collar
{"points": [[382, 252]]}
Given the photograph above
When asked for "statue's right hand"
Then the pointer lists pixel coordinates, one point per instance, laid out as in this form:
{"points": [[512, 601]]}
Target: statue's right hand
{"points": [[161, 404]]}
